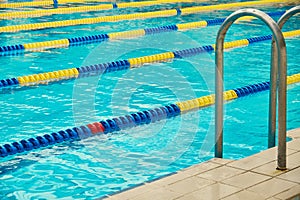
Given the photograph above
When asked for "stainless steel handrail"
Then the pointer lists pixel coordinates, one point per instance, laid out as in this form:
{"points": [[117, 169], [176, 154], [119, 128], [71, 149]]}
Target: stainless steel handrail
{"points": [[279, 61], [272, 111]]}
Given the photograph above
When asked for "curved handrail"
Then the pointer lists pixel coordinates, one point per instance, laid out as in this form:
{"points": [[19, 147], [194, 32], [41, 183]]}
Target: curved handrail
{"points": [[280, 61], [274, 69], [288, 14]]}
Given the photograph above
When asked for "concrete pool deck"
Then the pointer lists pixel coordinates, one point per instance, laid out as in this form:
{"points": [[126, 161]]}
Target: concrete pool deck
{"points": [[253, 177]]}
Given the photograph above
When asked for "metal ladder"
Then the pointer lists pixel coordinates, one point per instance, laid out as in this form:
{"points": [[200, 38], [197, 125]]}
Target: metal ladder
{"points": [[277, 83], [281, 157]]}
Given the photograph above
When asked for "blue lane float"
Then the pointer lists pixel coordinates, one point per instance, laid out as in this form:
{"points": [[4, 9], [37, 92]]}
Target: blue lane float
{"points": [[85, 131]]}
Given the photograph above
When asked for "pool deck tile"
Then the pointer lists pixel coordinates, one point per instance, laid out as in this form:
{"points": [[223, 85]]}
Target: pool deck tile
{"points": [[249, 163], [253, 177], [293, 161], [170, 179], [271, 154], [189, 185], [271, 187], [272, 198], [293, 175], [246, 180], [245, 195], [295, 133], [294, 145], [215, 191], [269, 169], [220, 161], [290, 193], [197, 169], [159, 193], [221, 173]]}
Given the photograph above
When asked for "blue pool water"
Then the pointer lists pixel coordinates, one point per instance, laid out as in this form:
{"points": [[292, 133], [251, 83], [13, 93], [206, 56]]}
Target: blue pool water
{"points": [[106, 164]]}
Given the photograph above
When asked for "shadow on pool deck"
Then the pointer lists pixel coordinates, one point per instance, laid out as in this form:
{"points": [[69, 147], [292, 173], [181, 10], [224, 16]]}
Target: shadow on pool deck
{"points": [[253, 177]]}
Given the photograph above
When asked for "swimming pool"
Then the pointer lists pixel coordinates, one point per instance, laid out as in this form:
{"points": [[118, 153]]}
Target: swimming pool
{"points": [[105, 164]]}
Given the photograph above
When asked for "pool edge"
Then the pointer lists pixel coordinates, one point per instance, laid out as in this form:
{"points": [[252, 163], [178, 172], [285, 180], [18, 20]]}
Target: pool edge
{"points": [[253, 177]]}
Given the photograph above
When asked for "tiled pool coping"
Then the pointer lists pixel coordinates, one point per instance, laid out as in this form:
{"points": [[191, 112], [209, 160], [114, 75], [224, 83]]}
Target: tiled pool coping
{"points": [[253, 177]]}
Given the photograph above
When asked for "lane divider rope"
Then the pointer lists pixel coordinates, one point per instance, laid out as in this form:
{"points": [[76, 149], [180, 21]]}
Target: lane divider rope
{"points": [[43, 3], [131, 120], [79, 9], [135, 16], [80, 72], [75, 41]]}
